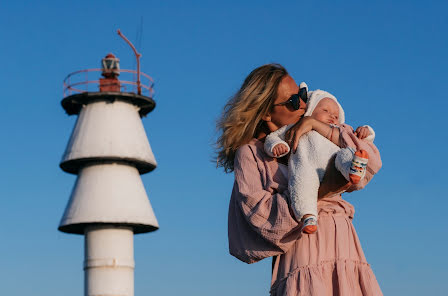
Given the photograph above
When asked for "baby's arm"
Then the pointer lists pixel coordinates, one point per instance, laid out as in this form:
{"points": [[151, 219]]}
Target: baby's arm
{"points": [[275, 145], [280, 149]]}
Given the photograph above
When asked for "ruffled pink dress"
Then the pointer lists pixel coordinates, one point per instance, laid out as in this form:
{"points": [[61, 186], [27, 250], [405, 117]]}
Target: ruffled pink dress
{"points": [[261, 224]]}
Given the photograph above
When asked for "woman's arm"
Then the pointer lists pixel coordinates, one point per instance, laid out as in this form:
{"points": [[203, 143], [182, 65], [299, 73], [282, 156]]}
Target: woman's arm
{"points": [[261, 223], [307, 124]]}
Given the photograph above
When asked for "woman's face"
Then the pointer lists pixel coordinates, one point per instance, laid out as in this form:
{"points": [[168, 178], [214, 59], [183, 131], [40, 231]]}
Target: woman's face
{"points": [[284, 114]]}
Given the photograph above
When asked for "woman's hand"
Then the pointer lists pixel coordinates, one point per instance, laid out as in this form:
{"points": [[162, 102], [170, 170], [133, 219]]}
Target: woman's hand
{"points": [[293, 135]]}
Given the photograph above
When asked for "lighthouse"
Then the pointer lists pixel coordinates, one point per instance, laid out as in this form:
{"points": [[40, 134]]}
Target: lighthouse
{"points": [[108, 150]]}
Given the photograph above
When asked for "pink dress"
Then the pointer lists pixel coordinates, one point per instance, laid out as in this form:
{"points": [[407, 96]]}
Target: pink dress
{"points": [[261, 224]]}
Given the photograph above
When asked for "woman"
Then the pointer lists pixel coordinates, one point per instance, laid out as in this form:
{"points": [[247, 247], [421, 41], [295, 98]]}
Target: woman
{"points": [[261, 223]]}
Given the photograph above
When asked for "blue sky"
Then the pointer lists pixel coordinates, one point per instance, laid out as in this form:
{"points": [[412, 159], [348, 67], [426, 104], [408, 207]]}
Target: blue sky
{"points": [[385, 61]]}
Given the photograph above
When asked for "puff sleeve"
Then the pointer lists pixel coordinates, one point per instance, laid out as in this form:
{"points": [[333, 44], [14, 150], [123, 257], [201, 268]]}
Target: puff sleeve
{"points": [[260, 223]]}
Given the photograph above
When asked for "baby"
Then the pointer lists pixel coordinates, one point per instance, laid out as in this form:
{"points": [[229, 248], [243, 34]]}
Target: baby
{"points": [[306, 167]]}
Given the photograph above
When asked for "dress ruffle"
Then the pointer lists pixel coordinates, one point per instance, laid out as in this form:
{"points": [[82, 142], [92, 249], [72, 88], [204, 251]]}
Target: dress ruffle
{"points": [[329, 262], [334, 277]]}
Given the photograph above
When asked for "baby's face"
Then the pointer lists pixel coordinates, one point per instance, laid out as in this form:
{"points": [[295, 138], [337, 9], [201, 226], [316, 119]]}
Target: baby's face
{"points": [[327, 111]]}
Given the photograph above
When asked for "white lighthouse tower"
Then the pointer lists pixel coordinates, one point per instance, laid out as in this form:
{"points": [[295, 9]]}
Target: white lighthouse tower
{"points": [[108, 150]]}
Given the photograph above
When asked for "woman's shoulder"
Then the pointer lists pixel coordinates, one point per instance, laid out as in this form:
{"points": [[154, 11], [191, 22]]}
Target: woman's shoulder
{"points": [[252, 149]]}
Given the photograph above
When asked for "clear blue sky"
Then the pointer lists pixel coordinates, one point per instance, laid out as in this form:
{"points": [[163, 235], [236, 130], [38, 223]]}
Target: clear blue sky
{"points": [[386, 61]]}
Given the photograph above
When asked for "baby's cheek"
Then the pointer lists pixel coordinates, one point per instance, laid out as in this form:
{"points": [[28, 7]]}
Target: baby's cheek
{"points": [[319, 116]]}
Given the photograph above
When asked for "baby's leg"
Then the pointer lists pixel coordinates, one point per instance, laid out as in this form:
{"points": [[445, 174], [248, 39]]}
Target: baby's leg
{"points": [[305, 210], [351, 164], [359, 166], [343, 161], [309, 224]]}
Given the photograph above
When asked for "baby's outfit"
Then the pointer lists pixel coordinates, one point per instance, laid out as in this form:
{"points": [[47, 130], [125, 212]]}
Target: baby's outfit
{"points": [[306, 167]]}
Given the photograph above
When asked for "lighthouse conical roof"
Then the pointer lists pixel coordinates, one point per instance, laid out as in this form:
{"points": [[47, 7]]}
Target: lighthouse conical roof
{"points": [[108, 131]]}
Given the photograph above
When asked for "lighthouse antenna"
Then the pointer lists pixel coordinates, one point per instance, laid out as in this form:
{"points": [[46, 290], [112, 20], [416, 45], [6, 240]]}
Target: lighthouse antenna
{"points": [[139, 35], [137, 56]]}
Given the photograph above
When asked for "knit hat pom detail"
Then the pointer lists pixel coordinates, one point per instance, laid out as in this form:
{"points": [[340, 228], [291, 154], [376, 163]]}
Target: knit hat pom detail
{"points": [[303, 85]]}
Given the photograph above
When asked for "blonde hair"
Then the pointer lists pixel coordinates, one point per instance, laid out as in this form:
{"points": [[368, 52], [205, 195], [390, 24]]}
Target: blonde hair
{"points": [[241, 119]]}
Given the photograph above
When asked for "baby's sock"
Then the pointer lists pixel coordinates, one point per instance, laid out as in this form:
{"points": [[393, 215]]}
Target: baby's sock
{"points": [[310, 224], [358, 166]]}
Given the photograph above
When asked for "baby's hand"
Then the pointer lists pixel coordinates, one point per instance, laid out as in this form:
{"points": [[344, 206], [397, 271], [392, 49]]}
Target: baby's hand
{"points": [[362, 132], [279, 149]]}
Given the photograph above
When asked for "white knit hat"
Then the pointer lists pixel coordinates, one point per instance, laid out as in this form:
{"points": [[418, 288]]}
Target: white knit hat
{"points": [[314, 98]]}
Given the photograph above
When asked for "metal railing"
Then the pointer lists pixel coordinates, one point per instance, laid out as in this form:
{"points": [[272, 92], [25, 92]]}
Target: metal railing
{"points": [[82, 81]]}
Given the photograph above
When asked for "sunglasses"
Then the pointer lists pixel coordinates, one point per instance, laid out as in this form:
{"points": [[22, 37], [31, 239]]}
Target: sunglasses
{"points": [[294, 100]]}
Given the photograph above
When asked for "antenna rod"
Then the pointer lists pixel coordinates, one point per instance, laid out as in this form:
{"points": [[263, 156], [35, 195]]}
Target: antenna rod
{"points": [[138, 56]]}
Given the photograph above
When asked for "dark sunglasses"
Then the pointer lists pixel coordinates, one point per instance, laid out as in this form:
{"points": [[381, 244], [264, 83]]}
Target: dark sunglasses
{"points": [[294, 100]]}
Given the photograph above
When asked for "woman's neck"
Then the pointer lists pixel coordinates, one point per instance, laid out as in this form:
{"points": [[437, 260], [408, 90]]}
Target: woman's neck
{"points": [[263, 132], [261, 136]]}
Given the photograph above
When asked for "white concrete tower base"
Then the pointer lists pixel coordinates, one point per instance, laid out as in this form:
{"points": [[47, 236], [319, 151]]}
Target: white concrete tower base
{"points": [[109, 261]]}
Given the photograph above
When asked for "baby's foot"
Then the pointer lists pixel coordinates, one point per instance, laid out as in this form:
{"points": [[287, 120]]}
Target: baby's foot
{"points": [[359, 166], [310, 225]]}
